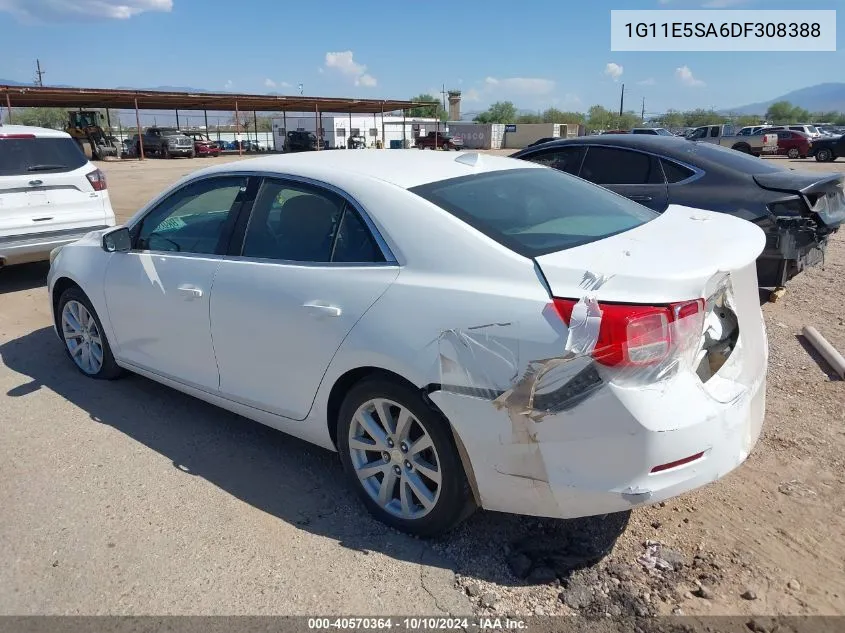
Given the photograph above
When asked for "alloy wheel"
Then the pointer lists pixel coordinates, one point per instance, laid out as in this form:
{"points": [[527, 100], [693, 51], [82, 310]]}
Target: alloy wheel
{"points": [[82, 337], [395, 459]]}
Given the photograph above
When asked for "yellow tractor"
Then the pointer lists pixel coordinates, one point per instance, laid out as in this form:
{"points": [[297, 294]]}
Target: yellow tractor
{"points": [[85, 127]]}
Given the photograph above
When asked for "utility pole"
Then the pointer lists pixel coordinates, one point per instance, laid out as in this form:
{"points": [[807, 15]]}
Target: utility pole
{"points": [[643, 114], [622, 101], [443, 94], [39, 73]]}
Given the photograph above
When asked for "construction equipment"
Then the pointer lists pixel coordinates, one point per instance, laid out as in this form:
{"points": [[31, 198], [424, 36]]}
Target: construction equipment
{"points": [[84, 126]]}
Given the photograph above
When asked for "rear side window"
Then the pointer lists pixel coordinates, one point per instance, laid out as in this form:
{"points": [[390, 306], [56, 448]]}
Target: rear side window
{"points": [[675, 172], [20, 156], [613, 166], [535, 211]]}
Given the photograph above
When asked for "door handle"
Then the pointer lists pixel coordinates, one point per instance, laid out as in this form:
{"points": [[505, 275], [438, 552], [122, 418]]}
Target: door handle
{"points": [[36, 183], [641, 198], [191, 292], [318, 307]]}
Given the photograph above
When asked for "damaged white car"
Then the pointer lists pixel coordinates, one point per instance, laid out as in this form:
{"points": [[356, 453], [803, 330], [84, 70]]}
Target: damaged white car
{"points": [[467, 331]]}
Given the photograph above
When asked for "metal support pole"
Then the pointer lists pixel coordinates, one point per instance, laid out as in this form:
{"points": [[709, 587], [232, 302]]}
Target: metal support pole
{"points": [[237, 125], [177, 119], [255, 125], [403, 128], [108, 119], [205, 115], [285, 137], [383, 136], [140, 133], [9, 109], [375, 127], [317, 123]]}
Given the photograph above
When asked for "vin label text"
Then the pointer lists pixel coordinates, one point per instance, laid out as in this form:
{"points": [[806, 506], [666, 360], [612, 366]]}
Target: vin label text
{"points": [[719, 30]]}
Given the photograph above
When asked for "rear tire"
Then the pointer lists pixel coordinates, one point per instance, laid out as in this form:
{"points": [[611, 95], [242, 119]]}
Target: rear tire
{"points": [[84, 339], [794, 153], [825, 156], [412, 448]]}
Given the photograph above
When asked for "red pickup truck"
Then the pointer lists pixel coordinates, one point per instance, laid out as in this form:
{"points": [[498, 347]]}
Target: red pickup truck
{"points": [[439, 140]]}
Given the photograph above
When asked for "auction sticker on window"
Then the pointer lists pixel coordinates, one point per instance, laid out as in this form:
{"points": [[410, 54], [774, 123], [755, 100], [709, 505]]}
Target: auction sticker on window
{"points": [[721, 30]]}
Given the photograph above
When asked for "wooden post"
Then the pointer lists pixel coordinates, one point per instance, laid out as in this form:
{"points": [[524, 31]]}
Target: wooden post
{"points": [[317, 123], [383, 135], [140, 133], [237, 125], [9, 109]]}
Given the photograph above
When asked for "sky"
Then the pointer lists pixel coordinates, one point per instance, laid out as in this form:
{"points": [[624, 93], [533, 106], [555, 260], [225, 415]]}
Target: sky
{"points": [[536, 53]]}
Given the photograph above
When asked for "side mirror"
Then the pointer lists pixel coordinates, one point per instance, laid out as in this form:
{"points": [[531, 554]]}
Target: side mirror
{"points": [[117, 241]]}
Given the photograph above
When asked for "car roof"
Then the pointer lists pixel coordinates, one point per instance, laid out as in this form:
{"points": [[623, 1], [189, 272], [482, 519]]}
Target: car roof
{"points": [[38, 132], [404, 168]]}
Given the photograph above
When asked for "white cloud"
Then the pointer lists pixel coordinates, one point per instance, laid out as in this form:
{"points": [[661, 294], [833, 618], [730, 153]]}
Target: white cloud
{"points": [[614, 71], [685, 76], [647, 82], [57, 10], [470, 95], [285, 84], [344, 63], [269, 83], [228, 85]]}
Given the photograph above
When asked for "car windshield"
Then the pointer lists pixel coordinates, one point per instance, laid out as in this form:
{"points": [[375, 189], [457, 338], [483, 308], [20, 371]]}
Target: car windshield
{"points": [[169, 132], [536, 211], [730, 158], [43, 155], [663, 132], [812, 129]]}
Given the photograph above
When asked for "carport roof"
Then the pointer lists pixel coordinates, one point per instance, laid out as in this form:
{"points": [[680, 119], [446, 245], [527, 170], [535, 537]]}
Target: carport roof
{"points": [[38, 96]]}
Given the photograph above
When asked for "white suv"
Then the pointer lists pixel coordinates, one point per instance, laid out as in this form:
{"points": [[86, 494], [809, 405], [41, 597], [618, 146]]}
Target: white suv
{"points": [[50, 195]]}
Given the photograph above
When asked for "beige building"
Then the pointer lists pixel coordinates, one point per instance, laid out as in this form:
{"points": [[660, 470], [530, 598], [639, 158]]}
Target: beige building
{"points": [[521, 135]]}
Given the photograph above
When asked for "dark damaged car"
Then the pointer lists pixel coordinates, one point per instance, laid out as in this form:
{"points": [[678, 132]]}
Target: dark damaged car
{"points": [[798, 210]]}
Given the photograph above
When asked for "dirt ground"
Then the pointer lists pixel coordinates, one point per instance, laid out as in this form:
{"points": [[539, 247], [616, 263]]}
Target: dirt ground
{"points": [[131, 498]]}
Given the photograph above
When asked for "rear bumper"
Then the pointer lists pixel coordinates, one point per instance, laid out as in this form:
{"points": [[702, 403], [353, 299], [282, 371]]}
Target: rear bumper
{"points": [[23, 249]]}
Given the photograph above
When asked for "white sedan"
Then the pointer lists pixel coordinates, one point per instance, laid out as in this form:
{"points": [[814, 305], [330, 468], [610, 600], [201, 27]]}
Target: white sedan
{"points": [[466, 331]]}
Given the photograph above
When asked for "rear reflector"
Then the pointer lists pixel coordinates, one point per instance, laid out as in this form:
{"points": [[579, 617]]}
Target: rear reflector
{"points": [[97, 179], [680, 462], [638, 335], [16, 135]]}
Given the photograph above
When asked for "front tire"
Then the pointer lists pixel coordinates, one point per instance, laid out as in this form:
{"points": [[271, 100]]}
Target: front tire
{"points": [[793, 153], [82, 333], [400, 456]]}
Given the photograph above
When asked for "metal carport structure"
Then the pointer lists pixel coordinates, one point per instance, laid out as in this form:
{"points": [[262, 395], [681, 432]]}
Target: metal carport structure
{"points": [[51, 97]]}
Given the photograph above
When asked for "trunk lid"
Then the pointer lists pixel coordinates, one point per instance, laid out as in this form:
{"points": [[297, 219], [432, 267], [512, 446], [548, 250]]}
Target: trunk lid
{"points": [[671, 258], [823, 193]]}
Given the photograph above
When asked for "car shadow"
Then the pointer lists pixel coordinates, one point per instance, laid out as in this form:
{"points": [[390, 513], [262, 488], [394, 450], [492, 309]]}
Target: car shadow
{"points": [[23, 277], [295, 481]]}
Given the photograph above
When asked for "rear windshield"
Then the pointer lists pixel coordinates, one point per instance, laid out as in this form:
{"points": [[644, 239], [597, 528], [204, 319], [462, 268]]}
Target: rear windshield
{"points": [[39, 155], [730, 159], [536, 211]]}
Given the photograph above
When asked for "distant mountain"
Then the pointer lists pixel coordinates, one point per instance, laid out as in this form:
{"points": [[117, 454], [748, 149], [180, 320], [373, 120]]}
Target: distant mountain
{"points": [[821, 98]]}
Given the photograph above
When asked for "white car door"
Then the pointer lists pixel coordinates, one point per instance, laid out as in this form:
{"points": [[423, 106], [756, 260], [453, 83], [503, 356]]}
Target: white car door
{"points": [[157, 294], [309, 269]]}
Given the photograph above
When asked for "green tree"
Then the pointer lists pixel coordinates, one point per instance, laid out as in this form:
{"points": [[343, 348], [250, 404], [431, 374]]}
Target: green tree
{"points": [[825, 117], [744, 120], [672, 119], [781, 112], [499, 112], [553, 115], [529, 118], [40, 117], [599, 117], [434, 111], [700, 116]]}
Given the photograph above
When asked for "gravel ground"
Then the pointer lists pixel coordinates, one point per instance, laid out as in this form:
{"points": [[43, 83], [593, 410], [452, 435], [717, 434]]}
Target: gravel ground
{"points": [[131, 498]]}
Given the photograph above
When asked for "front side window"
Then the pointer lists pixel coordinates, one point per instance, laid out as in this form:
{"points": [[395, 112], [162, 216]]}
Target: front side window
{"points": [[699, 133], [614, 166], [193, 219], [566, 159], [535, 211]]}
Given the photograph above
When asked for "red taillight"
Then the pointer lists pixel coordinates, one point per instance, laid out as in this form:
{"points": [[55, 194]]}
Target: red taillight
{"points": [[97, 179], [632, 334], [675, 464], [16, 135]]}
